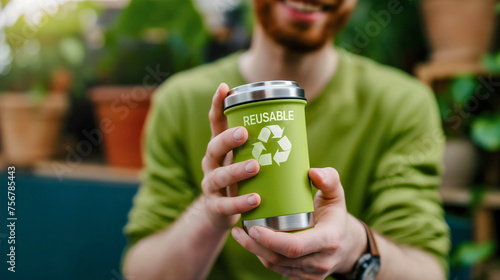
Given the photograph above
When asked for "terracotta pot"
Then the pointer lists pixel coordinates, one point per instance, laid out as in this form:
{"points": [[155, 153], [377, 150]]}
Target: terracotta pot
{"points": [[460, 162], [122, 111], [459, 30], [30, 131]]}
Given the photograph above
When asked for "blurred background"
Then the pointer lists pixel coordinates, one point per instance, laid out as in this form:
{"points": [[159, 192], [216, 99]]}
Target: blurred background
{"points": [[76, 79]]}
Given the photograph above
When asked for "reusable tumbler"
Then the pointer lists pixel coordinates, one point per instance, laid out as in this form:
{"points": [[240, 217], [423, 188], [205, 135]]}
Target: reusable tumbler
{"points": [[273, 113]]}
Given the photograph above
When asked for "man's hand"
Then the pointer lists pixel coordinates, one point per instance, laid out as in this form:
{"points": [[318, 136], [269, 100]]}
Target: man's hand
{"points": [[221, 174], [333, 245]]}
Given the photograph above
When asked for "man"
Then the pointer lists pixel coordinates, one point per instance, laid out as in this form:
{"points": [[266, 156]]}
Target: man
{"points": [[378, 127]]}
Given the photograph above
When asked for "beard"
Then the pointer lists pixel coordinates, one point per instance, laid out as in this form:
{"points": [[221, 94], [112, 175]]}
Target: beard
{"points": [[301, 36]]}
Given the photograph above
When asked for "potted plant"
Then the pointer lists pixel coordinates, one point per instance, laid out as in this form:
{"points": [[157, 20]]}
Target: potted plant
{"points": [[148, 42], [470, 110], [44, 62], [461, 156], [458, 30], [486, 128], [471, 116]]}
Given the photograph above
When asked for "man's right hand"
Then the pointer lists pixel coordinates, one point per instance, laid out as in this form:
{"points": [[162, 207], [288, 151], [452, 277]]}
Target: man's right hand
{"points": [[222, 203], [189, 247]]}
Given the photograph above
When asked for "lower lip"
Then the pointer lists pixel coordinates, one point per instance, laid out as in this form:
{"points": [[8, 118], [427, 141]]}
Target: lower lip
{"points": [[297, 15]]}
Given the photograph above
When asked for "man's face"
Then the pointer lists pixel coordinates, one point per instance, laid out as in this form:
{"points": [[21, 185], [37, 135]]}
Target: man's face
{"points": [[303, 25]]}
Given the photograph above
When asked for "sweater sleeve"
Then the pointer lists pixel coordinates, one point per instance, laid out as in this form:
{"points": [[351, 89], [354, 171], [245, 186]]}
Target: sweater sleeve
{"points": [[405, 203], [167, 187]]}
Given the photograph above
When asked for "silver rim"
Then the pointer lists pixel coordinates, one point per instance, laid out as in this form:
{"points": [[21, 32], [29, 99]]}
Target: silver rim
{"points": [[292, 222], [266, 90]]}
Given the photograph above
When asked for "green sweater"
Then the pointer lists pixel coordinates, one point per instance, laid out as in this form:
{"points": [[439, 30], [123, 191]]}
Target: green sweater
{"points": [[377, 126]]}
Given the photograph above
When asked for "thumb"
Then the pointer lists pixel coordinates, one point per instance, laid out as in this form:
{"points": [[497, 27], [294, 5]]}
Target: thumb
{"points": [[327, 180], [218, 121]]}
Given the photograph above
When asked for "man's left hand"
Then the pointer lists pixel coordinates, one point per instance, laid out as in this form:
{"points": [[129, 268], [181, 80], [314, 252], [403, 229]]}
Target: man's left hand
{"points": [[334, 245]]}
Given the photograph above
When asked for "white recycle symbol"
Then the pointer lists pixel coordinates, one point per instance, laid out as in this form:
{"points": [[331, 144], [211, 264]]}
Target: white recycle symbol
{"points": [[283, 142]]}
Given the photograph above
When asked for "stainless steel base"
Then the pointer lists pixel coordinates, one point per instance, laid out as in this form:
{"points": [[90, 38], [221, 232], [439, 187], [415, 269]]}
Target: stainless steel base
{"points": [[283, 223]]}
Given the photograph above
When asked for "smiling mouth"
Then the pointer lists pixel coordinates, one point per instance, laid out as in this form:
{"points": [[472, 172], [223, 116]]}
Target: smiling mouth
{"points": [[309, 6]]}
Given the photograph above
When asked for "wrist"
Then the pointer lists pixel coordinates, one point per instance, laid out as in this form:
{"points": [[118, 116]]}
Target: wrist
{"points": [[367, 266], [359, 242]]}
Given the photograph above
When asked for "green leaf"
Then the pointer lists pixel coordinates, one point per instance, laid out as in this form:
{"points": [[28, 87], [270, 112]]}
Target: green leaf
{"points": [[498, 8], [471, 253], [180, 17], [444, 108], [491, 62], [477, 198], [37, 93], [485, 131], [72, 50], [462, 88]]}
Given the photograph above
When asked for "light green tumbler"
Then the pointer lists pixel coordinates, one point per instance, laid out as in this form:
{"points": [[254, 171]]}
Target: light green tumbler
{"points": [[273, 113]]}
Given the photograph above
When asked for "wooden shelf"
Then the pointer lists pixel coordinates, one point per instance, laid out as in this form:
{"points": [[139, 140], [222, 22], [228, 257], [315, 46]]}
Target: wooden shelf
{"points": [[87, 171], [432, 71], [484, 222], [462, 197]]}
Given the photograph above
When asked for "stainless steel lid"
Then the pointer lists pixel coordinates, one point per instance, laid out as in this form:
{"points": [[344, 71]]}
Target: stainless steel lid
{"points": [[263, 91]]}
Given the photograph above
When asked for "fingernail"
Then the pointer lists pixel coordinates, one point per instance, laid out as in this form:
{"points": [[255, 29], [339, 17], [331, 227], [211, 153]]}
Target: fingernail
{"points": [[236, 234], [251, 200], [254, 233], [238, 134], [250, 167]]}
